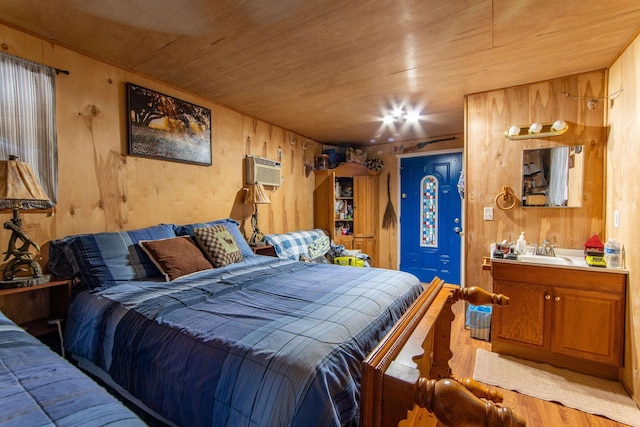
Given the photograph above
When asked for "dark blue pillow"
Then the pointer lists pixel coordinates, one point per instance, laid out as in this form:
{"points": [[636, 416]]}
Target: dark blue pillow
{"points": [[103, 259]]}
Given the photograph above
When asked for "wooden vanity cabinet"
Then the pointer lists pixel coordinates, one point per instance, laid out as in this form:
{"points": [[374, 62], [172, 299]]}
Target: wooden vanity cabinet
{"points": [[568, 317], [361, 199]]}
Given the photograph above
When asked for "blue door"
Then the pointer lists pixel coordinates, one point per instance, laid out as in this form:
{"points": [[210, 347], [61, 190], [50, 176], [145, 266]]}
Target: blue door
{"points": [[430, 217]]}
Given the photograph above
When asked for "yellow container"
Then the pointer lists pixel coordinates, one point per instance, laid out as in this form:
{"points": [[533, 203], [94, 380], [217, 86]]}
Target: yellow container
{"points": [[595, 259], [349, 260]]}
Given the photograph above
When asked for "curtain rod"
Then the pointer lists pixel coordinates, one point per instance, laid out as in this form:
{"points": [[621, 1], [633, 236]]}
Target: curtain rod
{"points": [[33, 63]]}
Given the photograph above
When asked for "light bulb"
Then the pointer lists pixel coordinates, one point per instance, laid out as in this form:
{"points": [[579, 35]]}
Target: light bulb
{"points": [[558, 125], [514, 130], [535, 127], [397, 112], [413, 116]]}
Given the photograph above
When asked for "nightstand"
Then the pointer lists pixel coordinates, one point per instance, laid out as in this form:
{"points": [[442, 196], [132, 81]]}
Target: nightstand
{"points": [[37, 308], [267, 250]]}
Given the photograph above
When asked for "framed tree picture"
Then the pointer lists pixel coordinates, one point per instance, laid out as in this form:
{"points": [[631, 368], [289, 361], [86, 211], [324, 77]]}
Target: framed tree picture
{"points": [[163, 127]]}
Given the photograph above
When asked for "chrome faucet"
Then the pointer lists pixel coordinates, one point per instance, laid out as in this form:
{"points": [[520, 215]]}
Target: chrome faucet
{"points": [[546, 249]]}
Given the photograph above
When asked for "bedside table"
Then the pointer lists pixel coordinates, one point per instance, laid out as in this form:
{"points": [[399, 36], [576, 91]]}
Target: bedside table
{"points": [[266, 250], [34, 306]]}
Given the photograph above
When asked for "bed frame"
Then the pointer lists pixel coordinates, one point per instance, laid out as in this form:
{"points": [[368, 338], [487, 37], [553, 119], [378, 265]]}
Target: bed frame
{"points": [[407, 376]]}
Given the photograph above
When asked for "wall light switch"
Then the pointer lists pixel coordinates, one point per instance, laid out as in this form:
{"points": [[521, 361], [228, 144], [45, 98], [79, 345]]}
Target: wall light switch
{"points": [[488, 214], [616, 219]]}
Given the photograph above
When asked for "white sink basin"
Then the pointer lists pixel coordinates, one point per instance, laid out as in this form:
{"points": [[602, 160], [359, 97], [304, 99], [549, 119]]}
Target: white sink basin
{"points": [[563, 257], [577, 261], [542, 259]]}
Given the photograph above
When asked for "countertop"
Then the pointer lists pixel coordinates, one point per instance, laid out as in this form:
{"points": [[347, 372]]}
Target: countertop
{"points": [[574, 259]]}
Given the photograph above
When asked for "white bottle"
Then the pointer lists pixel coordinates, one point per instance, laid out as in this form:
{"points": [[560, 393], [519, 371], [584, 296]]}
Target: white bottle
{"points": [[612, 254], [521, 244]]}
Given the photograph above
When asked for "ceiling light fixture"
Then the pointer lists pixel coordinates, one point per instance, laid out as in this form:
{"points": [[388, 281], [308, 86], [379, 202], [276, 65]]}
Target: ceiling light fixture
{"points": [[400, 121], [400, 114]]}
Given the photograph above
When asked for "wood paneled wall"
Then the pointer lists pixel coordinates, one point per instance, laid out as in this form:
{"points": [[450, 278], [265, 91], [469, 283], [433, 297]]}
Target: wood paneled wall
{"points": [[101, 188], [493, 161], [623, 193]]}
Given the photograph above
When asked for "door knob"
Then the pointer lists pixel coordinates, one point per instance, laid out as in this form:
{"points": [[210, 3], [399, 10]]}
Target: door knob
{"points": [[458, 231]]}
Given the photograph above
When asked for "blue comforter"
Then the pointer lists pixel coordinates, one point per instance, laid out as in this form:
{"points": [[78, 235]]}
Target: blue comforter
{"points": [[40, 388], [264, 342]]}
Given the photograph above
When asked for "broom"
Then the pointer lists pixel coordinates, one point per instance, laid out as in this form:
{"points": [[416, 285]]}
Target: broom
{"points": [[389, 219]]}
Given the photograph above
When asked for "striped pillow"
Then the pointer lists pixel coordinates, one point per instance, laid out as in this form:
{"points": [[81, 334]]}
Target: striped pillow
{"points": [[104, 259]]}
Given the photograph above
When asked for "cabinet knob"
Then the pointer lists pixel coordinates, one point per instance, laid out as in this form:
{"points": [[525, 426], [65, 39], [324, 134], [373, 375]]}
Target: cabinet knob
{"points": [[557, 298], [547, 296]]}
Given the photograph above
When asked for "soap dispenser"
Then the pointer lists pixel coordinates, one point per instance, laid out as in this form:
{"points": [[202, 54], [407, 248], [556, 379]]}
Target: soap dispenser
{"points": [[521, 244]]}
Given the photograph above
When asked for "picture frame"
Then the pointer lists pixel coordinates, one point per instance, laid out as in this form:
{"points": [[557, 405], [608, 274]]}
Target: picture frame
{"points": [[166, 128]]}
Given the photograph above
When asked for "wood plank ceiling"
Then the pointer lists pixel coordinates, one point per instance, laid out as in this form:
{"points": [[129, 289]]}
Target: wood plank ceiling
{"points": [[329, 70]]}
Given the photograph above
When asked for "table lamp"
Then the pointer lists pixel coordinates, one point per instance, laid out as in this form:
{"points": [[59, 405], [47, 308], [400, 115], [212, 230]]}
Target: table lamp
{"points": [[18, 184], [259, 196]]}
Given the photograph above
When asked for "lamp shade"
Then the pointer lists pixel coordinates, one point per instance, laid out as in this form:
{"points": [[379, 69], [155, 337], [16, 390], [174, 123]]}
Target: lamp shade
{"points": [[18, 182], [260, 195]]}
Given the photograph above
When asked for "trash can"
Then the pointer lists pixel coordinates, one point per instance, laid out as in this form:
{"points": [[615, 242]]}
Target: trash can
{"points": [[479, 321]]}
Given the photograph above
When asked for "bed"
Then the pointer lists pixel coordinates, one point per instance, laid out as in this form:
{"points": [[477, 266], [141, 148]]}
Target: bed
{"points": [[38, 387], [407, 380], [249, 340]]}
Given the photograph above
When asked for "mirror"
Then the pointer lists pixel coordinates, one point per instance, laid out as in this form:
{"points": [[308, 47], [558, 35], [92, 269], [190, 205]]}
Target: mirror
{"points": [[552, 177]]}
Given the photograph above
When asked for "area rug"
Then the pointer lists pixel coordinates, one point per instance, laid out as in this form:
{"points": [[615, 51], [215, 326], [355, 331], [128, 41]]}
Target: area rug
{"points": [[571, 389]]}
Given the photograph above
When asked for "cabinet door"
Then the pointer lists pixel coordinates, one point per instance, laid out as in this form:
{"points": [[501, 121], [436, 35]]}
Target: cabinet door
{"points": [[365, 211], [367, 246], [523, 320], [324, 203], [589, 325], [346, 241]]}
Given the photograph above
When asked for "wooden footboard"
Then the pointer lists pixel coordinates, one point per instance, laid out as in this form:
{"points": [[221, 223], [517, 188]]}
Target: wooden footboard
{"points": [[410, 369]]}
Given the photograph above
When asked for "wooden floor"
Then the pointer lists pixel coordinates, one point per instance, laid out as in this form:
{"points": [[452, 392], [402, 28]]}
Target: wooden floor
{"points": [[534, 411]]}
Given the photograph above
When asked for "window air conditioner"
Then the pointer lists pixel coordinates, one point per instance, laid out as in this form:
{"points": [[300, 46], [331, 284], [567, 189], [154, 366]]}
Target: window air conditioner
{"points": [[259, 170]]}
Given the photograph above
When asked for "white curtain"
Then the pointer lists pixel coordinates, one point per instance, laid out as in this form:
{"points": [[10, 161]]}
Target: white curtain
{"points": [[559, 177], [28, 121]]}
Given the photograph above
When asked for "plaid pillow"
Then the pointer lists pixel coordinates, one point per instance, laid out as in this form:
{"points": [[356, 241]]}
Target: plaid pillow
{"points": [[292, 245], [232, 225], [218, 245]]}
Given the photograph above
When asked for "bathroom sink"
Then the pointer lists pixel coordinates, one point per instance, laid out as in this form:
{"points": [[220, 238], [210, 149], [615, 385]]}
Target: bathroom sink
{"points": [[541, 259], [563, 257], [552, 260]]}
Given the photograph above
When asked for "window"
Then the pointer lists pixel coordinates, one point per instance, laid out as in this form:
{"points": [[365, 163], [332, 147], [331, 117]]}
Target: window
{"points": [[429, 215], [28, 121]]}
